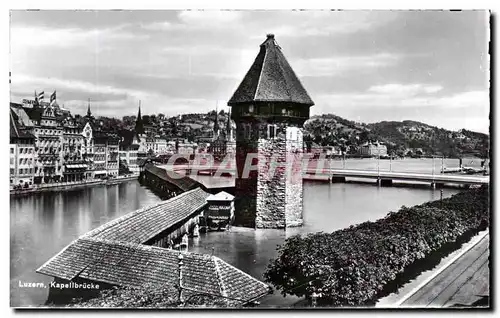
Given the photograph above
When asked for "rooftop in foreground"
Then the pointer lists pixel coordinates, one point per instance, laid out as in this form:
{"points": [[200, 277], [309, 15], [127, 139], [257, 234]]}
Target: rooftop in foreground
{"points": [[114, 254], [136, 265]]}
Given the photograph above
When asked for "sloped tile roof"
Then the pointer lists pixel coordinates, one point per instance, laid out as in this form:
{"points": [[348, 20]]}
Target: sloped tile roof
{"points": [[239, 284], [16, 129], [136, 265], [114, 254], [270, 79], [182, 182], [34, 113], [143, 224], [221, 196]]}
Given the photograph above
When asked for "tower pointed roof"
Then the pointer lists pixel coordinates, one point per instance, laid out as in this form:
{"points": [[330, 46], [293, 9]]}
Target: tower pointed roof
{"points": [[216, 122], [139, 125], [228, 124], [89, 113], [270, 79]]}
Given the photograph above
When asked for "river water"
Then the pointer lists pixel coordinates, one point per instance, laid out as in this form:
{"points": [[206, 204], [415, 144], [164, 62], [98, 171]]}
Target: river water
{"points": [[41, 225]]}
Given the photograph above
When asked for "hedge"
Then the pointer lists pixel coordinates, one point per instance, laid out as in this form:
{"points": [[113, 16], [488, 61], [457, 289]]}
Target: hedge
{"points": [[350, 267]]}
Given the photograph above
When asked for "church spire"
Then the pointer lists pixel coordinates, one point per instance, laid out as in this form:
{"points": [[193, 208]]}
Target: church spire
{"points": [[228, 126], [89, 113], [139, 127], [216, 122]]}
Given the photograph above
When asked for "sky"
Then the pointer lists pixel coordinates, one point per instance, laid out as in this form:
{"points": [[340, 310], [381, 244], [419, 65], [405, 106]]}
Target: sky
{"points": [[366, 66]]}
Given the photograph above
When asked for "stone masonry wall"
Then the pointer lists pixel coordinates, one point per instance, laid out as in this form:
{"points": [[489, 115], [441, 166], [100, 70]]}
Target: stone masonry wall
{"points": [[269, 200], [271, 186], [294, 188]]}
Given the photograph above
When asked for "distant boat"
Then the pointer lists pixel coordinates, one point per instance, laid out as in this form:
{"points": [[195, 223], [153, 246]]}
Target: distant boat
{"points": [[451, 170], [472, 170]]}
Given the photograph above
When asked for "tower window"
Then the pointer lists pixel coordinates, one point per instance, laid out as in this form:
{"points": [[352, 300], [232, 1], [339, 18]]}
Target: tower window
{"points": [[271, 131], [247, 131]]}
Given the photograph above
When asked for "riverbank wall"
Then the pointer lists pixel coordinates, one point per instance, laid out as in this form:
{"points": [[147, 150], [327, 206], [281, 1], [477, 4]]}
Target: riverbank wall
{"points": [[67, 186]]}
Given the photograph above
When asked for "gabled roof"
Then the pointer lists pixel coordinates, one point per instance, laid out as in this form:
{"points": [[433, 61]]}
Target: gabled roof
{"points": [[136, 265], [144, 224], [182, 182], [16, 129], [114, 254], [221, 196], [270, 79], [35, 113]]}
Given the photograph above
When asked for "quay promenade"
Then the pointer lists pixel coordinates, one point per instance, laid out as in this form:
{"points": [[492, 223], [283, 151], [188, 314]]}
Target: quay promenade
{"points": [[462, 282], [66, 186]]}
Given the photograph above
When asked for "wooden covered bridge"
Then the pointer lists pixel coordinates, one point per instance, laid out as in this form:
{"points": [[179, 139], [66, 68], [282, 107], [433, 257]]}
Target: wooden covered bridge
{"points": [[130, 252]]}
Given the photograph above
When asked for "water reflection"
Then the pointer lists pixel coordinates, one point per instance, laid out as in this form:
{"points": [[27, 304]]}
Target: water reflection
{"points": [[41, 225]]}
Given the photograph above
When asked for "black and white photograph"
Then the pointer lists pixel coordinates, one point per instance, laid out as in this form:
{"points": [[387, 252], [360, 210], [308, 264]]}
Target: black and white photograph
{"points": [[249, 159]]}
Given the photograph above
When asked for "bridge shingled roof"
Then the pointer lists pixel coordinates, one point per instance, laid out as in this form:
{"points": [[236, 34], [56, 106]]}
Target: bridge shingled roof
{"points": [[182, 182], [137, 265], [114, 253]]}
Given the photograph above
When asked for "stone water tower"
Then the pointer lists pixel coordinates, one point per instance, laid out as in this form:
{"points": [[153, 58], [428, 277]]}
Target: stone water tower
{"points": [[269, 107]]}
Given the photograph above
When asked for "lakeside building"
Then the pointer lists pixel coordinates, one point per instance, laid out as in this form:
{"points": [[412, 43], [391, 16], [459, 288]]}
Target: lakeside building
{"points": [[373, 149], [187, 148], [160, 145], [49, 145], [112, 155], [88, 150], [128, 157], [106, 147], [72, 147], [48, 132], [21, 155]]}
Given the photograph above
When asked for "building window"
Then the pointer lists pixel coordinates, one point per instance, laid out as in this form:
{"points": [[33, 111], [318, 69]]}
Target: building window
{"points": [[11, 161], [12, 171], [271, 131], [250, 108], [11, 150]]}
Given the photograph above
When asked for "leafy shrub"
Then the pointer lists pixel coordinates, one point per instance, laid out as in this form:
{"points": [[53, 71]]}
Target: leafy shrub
{"points": [[349, 267]]}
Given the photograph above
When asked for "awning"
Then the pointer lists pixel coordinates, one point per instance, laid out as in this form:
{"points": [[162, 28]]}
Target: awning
{"points": [[76, 166]]}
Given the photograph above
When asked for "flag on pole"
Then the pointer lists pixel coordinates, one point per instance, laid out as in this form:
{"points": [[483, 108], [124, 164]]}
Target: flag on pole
{"points": [[52, 98], [36, 99], [40, 96]]}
